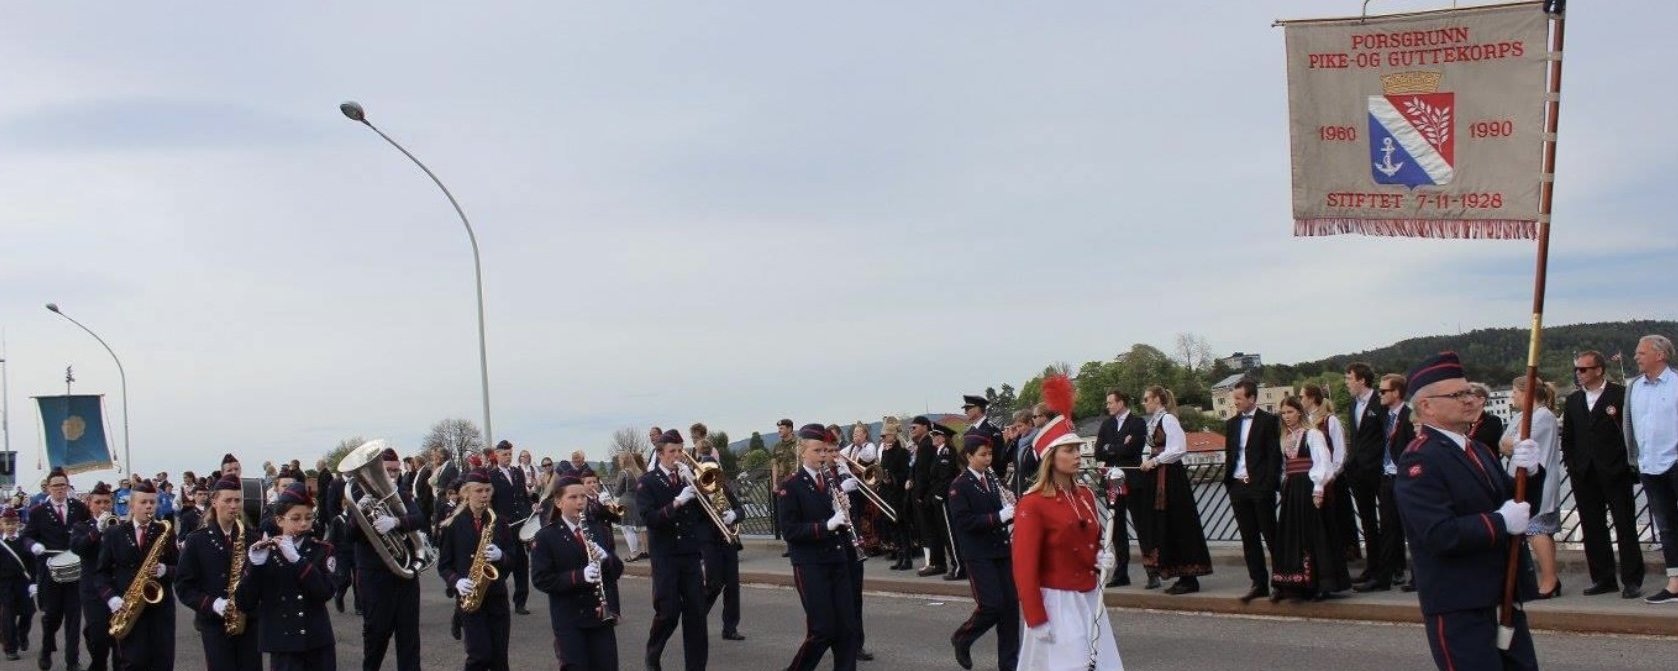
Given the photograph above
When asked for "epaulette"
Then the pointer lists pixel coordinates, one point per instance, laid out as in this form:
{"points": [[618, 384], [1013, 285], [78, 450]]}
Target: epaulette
{"points": [[1416, 443]]}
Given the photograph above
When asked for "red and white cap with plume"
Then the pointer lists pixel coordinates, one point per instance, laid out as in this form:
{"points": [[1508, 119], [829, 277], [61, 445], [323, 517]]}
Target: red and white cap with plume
{"points": [[1059, 395]]}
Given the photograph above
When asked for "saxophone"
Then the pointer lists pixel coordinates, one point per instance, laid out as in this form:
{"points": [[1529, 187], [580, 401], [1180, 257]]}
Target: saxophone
{"points": [[233, 620], [144, 590], [482, 572]]}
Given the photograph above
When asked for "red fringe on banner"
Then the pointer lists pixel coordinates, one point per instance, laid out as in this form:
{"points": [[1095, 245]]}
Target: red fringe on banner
{"points": [[1457, 229]]}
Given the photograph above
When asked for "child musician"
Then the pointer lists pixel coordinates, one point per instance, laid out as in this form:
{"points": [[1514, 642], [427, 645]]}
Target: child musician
{"points": [[287, 583], [570, 564], [17, 610], [150, 644], [488, 630]]}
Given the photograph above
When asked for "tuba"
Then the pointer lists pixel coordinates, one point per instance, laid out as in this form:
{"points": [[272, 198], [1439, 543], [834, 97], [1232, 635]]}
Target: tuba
{"points": [[144, 590], [406, 553]]}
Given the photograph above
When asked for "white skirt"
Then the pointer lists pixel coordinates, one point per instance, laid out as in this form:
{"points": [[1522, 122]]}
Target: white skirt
{"points": [[1070, 617]]}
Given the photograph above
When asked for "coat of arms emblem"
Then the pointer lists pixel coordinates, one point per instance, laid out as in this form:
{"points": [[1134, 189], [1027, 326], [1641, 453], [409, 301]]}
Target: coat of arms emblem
{"points": [[1411, 138]]}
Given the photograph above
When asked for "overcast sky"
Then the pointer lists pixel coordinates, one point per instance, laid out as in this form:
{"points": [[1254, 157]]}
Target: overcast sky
{"points": [[721, 211]]}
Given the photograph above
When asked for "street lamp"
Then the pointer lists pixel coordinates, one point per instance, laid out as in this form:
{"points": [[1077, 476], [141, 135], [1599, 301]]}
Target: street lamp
{"points": [[355, 112], [126, 461]]}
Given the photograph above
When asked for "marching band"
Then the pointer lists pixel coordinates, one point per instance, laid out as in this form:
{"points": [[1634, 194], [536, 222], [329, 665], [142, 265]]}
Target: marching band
{"points": [[1036, 548]]}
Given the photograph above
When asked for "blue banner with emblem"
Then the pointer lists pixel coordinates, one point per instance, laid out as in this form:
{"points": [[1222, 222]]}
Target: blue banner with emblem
{"points": [[74, 429]]}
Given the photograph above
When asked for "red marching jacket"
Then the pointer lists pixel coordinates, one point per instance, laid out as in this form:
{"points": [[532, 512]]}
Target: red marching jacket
{"points": [[1055, 539]]}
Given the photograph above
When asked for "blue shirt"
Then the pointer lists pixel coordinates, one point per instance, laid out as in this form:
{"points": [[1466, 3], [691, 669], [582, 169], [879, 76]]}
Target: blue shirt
{"points": [[165, 504], [121, 499], [1653, 408]]}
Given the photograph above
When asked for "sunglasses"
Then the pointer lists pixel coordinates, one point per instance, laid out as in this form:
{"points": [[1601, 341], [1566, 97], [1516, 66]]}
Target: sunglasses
{"points": [[1388, 390]]}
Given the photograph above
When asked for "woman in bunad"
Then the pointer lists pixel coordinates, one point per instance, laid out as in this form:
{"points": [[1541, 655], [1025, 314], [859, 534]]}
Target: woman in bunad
{"points": [[894, 472], [864, 453], [630, 468], [1179, 540], [1057, 556], [1308, 563], [1544, 484], [1337, 498]]}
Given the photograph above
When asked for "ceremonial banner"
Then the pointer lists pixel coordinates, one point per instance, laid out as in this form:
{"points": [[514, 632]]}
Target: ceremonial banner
{"points": [[1420, 125], [74, 427]]}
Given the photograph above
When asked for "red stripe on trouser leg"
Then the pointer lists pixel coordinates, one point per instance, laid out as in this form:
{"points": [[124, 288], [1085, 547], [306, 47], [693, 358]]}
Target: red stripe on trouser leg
{"points": [[1444, 647]]}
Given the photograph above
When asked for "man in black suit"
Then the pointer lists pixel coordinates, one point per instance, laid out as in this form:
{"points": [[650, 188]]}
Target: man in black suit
{"points": [[1119, 442], [512, 503], [945, 467], [1388, 561], [1362, 470], [1594, 449], [1252, 469], [48, 528], [921, 491], [974, 407]]}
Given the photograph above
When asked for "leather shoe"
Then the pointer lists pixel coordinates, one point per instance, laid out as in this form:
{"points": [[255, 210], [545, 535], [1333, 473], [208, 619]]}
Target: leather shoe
{"points": [[522, 610], [1372, 586], [45, 661], [952, 576], [930, 570], [964, 655], [1119, 580], [1600, 588], [73, 667], [1153, 582], [1407, 587], [1361, 577], [864, 655], [1183, 586], [1631, 592], [732, 636], [1255, 593], [12, 657]]}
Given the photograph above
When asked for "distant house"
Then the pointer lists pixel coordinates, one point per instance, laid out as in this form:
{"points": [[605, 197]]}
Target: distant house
{"points": [[1498, 404], [1242, 361], [1223, 403]]}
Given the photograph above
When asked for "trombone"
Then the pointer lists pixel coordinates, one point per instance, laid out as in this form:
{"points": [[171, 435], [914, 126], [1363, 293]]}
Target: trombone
{"points": [[867, 478], [707, 479]]}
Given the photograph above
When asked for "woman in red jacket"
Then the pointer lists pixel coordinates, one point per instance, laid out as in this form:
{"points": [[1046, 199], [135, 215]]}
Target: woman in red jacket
{"points": [[1057, 558]]}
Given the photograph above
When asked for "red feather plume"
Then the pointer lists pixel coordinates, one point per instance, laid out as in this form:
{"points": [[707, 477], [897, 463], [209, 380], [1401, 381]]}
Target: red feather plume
{"points": [[1059, 394]]}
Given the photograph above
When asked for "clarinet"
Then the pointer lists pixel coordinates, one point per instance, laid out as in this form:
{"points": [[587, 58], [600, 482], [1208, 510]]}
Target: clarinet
{"points": [[602, 611], [842, 503]]}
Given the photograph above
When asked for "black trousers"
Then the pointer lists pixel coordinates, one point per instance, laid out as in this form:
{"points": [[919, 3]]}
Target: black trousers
{"points": [[344, 577], [1121, 537], [679, 598], [825, 591], [995, 605], [1595, 497], [60, 607], [722, 579], [519, 563], [16, 614], [324, 658], [1344, 518], [1366, 493], [151, 644], [1389, 557], [586, 648], [934, 535], [861, 636], [1255, 517], [1467, 639], [487, 633], [228, 653], [391, 610], [96, 630]]}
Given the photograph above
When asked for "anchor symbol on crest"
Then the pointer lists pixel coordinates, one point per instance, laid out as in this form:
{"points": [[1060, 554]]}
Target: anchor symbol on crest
{"points": [[1386, 166]]}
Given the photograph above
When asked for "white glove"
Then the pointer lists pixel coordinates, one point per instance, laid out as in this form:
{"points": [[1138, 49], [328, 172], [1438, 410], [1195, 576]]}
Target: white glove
{"points": [[220, 606], [158, 570], [32, 590], [591, 574], [37, 548], [1515, 516], [848, 485], [384, 523], [598, 551], [258, 556], [1105, 561], [687, 494], [463, 587], [1042, 634], [838, 520], [492, 553], [288, 549], [1525, 455], [728, 517], [1007, 513], [114, 603]]}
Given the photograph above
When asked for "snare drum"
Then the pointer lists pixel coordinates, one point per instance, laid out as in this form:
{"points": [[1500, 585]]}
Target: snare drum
{"points": [[64, 567]]}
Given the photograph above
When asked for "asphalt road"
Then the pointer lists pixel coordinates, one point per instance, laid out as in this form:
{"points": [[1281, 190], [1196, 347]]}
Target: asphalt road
{"points": [[913, 633]]}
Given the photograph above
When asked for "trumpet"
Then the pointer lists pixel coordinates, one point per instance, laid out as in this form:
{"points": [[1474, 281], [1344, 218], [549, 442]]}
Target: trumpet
{"points": [[609, 502], [868, 477], [707, 479]]}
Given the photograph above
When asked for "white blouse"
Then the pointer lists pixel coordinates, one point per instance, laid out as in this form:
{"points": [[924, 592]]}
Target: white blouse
{"points": [[1176, 442], [1322, 464]]}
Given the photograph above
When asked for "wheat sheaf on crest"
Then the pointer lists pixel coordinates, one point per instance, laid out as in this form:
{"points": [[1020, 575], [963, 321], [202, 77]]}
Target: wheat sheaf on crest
{"points": [[1435, 123]]}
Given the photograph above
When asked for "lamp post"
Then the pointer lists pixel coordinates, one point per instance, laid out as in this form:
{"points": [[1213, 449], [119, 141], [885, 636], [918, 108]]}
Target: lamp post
{"points": [[126, 461], [355, 112]]}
